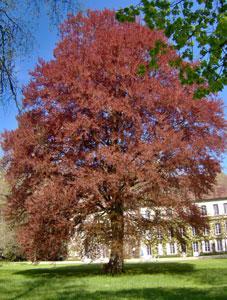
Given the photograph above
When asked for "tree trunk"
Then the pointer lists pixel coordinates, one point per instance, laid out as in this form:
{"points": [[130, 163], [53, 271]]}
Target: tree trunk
{"points": [[116, 262]]}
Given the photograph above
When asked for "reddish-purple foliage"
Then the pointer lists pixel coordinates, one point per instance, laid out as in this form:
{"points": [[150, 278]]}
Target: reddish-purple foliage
{"points": [[98, 141]]}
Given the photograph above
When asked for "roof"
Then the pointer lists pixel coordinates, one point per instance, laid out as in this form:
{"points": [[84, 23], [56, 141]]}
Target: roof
{"points": [[219, 190], [212, 199]]}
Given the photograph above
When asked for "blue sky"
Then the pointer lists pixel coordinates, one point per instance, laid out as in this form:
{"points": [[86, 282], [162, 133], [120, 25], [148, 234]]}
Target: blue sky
{"points": [[46, 39]]}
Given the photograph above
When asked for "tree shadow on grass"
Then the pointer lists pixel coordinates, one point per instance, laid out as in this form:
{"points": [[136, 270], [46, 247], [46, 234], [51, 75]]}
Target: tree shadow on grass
{"points": [[58, 287], [28, 291], [97, 269], [63, 271], [214, 276], [147, 294], [79, 292], [159, 268]]}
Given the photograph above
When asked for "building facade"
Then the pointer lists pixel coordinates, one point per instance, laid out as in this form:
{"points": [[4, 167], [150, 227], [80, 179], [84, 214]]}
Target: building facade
{"points": [[213, 240]]}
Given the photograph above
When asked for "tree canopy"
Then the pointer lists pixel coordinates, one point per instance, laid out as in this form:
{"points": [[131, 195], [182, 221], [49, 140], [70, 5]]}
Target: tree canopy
{"points": [[197, 29], [97, 142]]}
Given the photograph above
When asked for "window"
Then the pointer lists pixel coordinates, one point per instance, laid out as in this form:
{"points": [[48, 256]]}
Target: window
{"points": [[219, 245], [157, 213], [216, 209], [169, 212], [159, 234], [206, 231], [195, 247], [206, 246], [225, 226], [147, 214], [171, 233], [183, 247], [148, 249], [148, 235], [182, 231], [193, 231], [217, 228], [225, 208], [160, 249], [172, 248], [204, 210]]}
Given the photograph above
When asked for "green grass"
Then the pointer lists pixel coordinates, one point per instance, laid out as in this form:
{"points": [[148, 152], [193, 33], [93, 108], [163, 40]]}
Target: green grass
{"points": [[204, 279]]}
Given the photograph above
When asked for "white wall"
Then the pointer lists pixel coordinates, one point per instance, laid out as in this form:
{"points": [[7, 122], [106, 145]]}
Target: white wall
{"points": [[209, 206]]}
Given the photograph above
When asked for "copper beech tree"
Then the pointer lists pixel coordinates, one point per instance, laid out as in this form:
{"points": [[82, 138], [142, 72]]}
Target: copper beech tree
{"points": [[98, 141]]}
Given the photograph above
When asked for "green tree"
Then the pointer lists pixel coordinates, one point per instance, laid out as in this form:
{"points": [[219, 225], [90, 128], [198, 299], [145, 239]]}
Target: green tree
{"points": [[8, 246], [197, 29], [16, 35]]}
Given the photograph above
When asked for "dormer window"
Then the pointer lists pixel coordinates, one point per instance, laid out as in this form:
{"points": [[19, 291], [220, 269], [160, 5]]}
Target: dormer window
{"points": [[225, 208], [204, 210], [216, 209]]}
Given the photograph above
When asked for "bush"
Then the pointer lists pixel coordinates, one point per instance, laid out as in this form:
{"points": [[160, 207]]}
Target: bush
{"points": [[212, 253], [13, 253]]}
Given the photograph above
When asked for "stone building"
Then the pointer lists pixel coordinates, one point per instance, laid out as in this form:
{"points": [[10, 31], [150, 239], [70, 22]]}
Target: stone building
{"points": [[213, 240]]}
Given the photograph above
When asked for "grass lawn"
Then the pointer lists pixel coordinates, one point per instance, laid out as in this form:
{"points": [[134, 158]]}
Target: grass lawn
{"points": [[196, 280]]}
